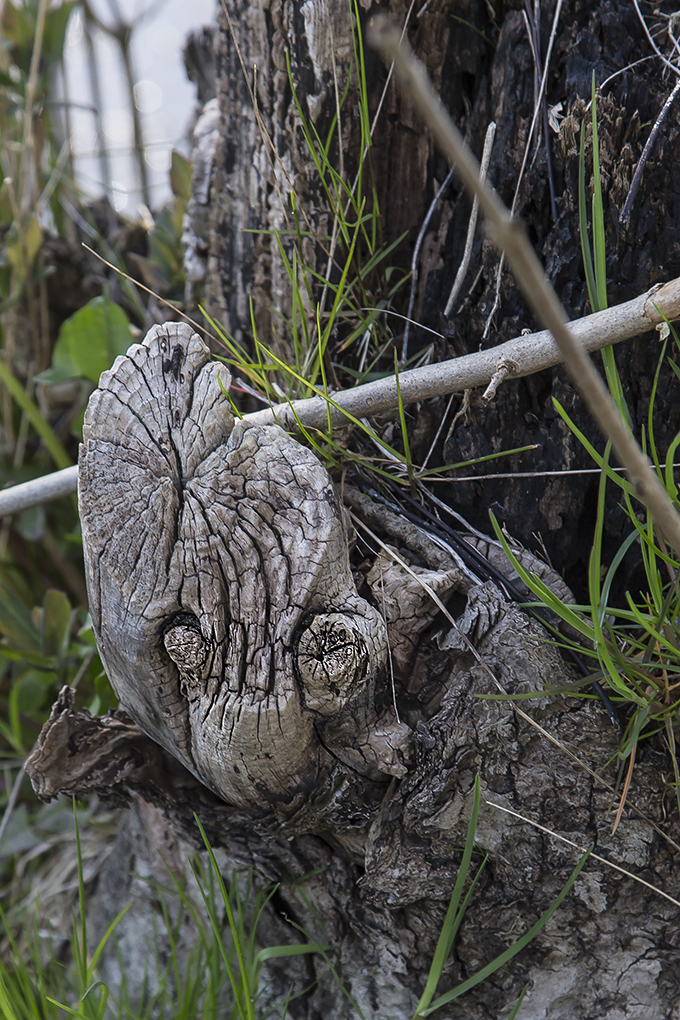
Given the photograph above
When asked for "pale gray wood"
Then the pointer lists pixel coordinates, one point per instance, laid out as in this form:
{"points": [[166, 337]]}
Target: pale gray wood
{"points": [[220, 588], [230, 624]]}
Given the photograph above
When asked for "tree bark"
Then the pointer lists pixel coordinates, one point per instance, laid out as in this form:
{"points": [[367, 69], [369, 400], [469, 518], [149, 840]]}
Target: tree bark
{"points": [[317, 713], [377, 803]]}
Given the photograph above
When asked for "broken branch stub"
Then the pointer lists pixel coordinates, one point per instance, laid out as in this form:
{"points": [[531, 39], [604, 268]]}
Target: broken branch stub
{"points": [[220, 588]]}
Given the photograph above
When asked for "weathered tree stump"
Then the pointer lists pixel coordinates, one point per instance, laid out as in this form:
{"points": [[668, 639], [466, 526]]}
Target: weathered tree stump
{"points": [[250, 655], [248, 637]]}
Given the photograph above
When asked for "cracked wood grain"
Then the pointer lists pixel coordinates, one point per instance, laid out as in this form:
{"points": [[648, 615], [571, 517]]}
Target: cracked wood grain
{"points": [[220, 589]]}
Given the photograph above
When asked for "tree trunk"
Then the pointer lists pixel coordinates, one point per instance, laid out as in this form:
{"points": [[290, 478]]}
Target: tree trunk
{"points": [[197, 552]]}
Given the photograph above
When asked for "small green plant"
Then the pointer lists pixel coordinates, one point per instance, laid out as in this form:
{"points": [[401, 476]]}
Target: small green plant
{"points": [[42, 650], [634, 648], [244, 963], [458, 906], [29, 989]]}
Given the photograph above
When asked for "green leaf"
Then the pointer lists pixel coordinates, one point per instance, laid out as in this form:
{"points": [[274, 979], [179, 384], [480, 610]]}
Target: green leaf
{"points": [[56, 622], [180, 176], [32, 412], [31, 690], [89, 342], [16, 623]]}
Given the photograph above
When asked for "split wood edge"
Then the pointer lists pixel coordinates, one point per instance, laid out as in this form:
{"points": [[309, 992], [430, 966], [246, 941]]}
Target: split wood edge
{"points": [[512, 360], [509, 235]]}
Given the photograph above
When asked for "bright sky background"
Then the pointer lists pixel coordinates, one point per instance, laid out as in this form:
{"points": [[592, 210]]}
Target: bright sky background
{"points": [[164, 96]]}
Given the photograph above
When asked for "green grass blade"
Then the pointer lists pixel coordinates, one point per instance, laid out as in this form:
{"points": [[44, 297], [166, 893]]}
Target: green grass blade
{"points": [[105, 938], [452, 919], [613, 476], [650, 413], [599, 242], [404, 430], [515, 1008], [8, 1012], [671, 486], [324, 396], [242, 990], [518, 946], [477, 460], [279, 952], [583, 225], [53, 445], [616, 563], [565, 611]]}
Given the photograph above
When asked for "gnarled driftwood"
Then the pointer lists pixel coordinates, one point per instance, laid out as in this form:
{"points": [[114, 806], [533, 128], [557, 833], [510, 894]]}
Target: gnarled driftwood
{"points": [[227, 615]]}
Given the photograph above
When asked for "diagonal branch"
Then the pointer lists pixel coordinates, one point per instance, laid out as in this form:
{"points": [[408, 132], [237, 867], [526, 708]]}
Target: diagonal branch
{"points": [[509, 235], [514, 359]]}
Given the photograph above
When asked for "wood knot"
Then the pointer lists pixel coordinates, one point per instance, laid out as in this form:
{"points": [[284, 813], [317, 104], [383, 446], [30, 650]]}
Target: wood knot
{"points": [[186, 646], [331, 658]]}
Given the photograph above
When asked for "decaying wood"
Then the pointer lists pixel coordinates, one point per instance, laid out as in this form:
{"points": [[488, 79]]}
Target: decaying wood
{"points": [[229, 621], [220, 588], [511, 238]]}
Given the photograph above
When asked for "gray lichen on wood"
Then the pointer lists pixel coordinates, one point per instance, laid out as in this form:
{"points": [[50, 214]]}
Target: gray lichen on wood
{"points": [[220, 587]]}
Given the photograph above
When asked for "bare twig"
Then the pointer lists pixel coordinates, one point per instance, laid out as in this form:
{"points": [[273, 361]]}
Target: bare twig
{"points": [[509, 235], [531, 353], [39, 490], [656, 49], [472, 225], [626, 211], [12, 801], [416, 257], [527, 147]]}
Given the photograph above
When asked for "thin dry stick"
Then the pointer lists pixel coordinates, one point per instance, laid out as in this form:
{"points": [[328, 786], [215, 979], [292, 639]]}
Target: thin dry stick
{"points": [[656, 49], [626, 787], [528, 354], [512, 475], [537, 107], [626, 211], [416, 258], [472, 225], [582, 849], [11, 803], [147, 290], [438, 433], [510, 236], [522, 356]]}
